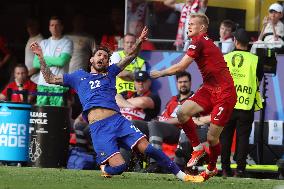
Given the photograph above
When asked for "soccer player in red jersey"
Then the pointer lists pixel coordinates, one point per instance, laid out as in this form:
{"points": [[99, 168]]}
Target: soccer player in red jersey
{"points": [[217, 96]]}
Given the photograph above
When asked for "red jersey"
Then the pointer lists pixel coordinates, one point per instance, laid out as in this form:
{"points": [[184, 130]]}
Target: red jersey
{"points": [[210, 61], [28, 85], [172, 107], [139, 113]]}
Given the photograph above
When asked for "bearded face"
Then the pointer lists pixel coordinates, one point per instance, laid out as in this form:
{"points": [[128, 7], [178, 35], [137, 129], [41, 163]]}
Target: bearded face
{"points": [[184, 90], [184, 85], [100, 61]]}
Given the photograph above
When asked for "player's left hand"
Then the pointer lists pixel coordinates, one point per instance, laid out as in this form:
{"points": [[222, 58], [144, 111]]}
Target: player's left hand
{"points": [[143, 35]]}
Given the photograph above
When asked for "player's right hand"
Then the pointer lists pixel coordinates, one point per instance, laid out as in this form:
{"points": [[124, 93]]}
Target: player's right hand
{"points": [[156, 74], [35, 47]]}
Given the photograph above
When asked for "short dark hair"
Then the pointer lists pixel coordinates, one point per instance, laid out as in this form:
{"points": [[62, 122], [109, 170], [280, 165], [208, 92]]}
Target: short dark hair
{"points": [[229, 24], [130, 34], [21, 66], [241, 36], [103, 48], [182, 74], [56, 17]]}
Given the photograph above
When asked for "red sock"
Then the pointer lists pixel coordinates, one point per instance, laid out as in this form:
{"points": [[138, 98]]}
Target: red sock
{"points": [[190, 130], [214, 152]]}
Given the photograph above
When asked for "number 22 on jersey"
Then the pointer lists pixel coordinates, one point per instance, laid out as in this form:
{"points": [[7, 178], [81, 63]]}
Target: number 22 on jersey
{"points": [[95, 84]]}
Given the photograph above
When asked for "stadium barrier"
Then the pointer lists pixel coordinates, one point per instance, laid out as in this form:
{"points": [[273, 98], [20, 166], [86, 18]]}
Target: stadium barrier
{"points": [[14, 131], [271, 151], [50, 130]]}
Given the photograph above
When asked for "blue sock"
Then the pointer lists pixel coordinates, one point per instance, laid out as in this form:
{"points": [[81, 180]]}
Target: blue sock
{"points": [[162, 159], [117, 170]]}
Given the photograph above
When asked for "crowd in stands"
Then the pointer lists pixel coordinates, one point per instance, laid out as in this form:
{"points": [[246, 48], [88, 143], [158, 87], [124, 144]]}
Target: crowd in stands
{"points": [[66, 53]]}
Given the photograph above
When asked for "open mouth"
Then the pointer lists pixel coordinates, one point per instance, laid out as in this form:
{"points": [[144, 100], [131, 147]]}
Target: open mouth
{"points": [[100, 62]]}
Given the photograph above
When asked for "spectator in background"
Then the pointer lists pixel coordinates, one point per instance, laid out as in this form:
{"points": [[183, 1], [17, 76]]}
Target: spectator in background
{"points": [[185, 9], [57, 52], [135, 27], [125, 79], [272, 31], [136, 10], [246, 71], [22, 84], [226, 43], [113, 39], [5, 55], [33, 30], [83, 44], [147, 104]]}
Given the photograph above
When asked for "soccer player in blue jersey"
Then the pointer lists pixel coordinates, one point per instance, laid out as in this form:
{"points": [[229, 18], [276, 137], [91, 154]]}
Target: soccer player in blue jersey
{"points": [[109, 129]]}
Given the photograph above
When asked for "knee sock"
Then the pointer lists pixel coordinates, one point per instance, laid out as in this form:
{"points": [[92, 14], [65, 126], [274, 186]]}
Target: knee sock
{"points": [[156, 142], [214, 152], [182, 149], [164, 161], [117, 170], [190, 130]]}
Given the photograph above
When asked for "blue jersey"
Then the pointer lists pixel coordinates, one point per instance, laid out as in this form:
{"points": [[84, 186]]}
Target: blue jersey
{"points": [[94, 90]]}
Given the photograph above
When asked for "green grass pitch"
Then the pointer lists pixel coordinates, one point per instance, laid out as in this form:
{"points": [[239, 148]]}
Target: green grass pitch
{"points": [[43, 178]]}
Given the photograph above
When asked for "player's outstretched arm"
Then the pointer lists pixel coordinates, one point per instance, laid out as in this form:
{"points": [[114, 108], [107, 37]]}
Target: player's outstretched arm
{"points": [[47, 74], [135, 50], [174, 69]]}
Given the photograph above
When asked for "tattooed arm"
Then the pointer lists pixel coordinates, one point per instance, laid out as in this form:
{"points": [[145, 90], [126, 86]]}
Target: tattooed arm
{"points": [[47, 74], [135, 50]]}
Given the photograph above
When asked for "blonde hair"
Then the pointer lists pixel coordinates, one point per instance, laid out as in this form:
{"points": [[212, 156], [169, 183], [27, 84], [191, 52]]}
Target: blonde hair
{"points": [[203, 18]]}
